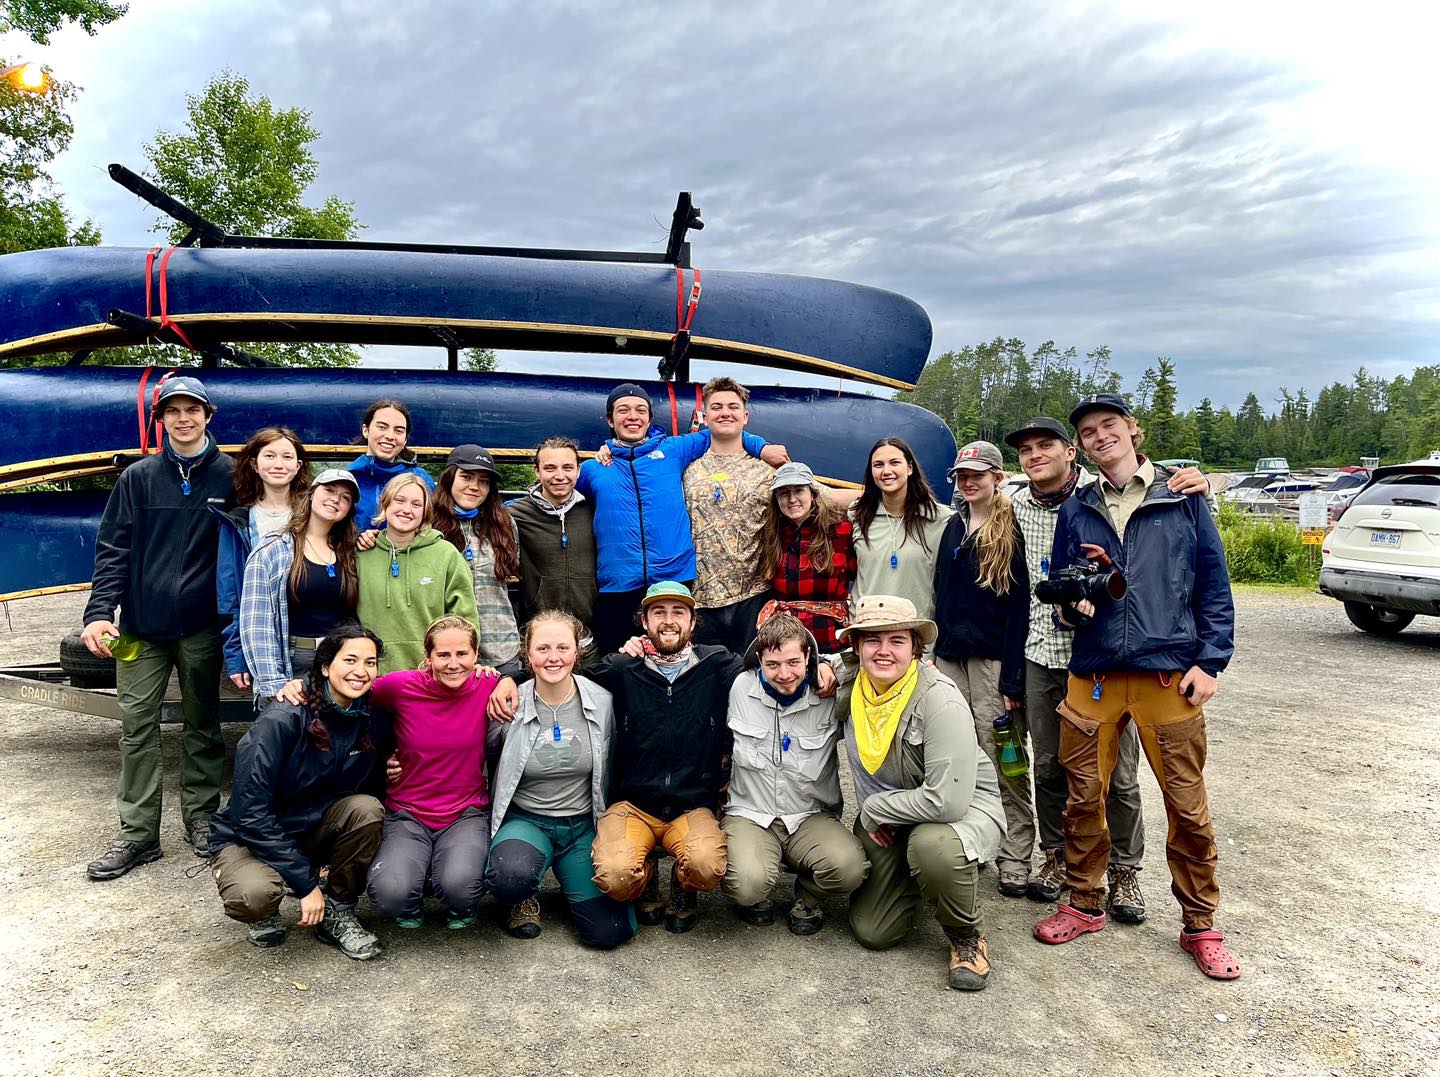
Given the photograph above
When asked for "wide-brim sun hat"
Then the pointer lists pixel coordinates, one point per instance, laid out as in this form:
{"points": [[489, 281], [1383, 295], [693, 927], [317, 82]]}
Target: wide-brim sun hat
{"points": [[888, 613]]}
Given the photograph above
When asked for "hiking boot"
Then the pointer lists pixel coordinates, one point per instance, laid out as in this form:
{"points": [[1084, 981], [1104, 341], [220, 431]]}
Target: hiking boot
{"points": [[197, 835], [969, 961], [759, 915], [805, 919], [651, 909], [266, 933], [1014, 882], [120, 856], [1127, 903], [524, 919], [1049, 884], [340, 928], [684, 909]]}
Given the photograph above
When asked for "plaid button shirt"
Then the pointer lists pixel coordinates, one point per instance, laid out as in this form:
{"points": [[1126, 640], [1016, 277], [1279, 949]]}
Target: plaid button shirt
{"points": [[1045, 645], [797, 581]]}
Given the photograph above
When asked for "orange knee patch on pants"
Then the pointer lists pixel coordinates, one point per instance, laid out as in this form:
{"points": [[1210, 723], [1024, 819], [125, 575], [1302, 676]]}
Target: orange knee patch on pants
{"points": [[625, 837]]}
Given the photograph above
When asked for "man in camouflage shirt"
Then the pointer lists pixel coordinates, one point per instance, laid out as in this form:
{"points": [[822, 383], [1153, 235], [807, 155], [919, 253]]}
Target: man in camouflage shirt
{"points": [[726, 492]]}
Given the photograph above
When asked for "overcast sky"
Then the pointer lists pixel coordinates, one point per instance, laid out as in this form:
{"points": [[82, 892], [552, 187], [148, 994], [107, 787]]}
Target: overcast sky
{"points": [[1247, 188]]}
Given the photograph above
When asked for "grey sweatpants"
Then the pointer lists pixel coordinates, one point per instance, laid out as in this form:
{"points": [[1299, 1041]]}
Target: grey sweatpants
{"points": [[452, 860]]}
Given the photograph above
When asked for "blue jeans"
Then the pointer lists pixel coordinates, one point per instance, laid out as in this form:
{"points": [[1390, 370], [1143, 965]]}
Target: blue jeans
{"points": [[526, 845]]}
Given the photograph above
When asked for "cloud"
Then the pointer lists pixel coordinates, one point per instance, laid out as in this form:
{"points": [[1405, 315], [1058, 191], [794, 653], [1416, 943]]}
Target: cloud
{"points": [[1089, 174]]}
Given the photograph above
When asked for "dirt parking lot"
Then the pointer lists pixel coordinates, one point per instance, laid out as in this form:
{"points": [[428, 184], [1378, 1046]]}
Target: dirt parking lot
{"points": [[1325, 787]]}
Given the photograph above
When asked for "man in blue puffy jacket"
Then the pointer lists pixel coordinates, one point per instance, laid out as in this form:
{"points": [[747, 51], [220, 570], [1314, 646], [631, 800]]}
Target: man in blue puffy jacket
{"points": [[1150, 656], [642, 526]]}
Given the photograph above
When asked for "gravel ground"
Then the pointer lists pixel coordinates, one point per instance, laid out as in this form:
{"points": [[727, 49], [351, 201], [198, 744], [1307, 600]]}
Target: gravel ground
{"points": [[1325, 788]]}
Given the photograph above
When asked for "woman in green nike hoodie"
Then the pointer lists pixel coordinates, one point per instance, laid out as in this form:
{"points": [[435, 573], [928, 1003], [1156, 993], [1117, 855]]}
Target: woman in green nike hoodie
{"points": [[410, 576]]}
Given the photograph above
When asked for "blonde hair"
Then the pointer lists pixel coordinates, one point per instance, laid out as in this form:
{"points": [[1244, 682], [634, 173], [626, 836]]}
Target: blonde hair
{"points": [[554, 617], [451, 622], [393, 487], [995, 544]]}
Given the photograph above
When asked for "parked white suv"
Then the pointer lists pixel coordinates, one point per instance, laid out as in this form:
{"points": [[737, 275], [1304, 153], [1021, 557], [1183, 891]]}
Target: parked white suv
{"points": [[1383, 557]]}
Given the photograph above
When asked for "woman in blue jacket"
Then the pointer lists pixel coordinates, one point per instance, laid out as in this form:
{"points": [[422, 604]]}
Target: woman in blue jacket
{"points": [[272, 474], [304, 797], [386, 430]]}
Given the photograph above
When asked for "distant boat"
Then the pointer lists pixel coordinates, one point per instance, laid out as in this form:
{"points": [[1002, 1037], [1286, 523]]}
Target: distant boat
{"points": [[61, 300]]}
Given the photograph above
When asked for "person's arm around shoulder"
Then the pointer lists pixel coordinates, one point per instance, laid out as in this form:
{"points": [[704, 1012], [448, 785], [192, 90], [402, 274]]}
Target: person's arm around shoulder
{"points": [[948, 786], [1213, 607], [1017, 627]]}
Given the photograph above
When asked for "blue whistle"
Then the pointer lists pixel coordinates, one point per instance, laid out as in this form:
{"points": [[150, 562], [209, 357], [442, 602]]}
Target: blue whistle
{"points": [[785, 743], [555, 732], [1044, 566], [185, 487], [564, 542], [330, 571], [894, 561], [394, 567], [719, 494], [1096, 693], [469, 554]]}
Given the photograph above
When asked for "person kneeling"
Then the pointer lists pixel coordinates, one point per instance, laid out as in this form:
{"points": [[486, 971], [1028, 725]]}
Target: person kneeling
{"points": [[784, 799], [550, 787], [929, 798], [437, 817], [302, 798]]}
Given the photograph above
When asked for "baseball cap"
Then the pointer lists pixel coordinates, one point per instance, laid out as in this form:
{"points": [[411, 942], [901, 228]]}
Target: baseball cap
{"points": [[1041, 424], [1098, 402], [336, 474], [792, 474], [623, 390], [472, 458], [977, 456], [182, 386], [667, 590]]}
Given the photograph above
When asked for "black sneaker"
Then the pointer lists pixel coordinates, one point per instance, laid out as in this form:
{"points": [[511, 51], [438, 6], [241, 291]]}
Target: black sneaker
{"points": [[684, 908], [197, 835], [120, 856], [759, 915], [266, 933], [650, 910], [805, 919]]}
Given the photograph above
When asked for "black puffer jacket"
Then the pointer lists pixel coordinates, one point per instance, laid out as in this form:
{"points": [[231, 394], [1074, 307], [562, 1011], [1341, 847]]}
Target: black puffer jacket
{"points": [[284, 782], [671, 745], [155, 551]]}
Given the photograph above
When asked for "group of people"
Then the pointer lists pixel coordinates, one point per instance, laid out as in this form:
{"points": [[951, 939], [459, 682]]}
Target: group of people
{"points": [[700, 630]]}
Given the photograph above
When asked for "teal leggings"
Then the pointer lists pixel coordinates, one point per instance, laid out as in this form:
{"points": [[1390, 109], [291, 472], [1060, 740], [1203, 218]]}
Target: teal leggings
{"points": [[526, 845]]}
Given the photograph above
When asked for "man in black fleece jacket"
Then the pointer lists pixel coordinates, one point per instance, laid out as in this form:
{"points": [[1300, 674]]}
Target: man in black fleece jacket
{"points": [[155, 558]]}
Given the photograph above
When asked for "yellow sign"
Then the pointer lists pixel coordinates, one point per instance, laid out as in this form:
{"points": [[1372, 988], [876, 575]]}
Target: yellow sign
{"points": [[1313, 537]]}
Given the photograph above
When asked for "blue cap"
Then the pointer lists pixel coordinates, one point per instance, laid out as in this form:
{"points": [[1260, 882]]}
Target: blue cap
{"points": [[182, 386], [1098, 402]]}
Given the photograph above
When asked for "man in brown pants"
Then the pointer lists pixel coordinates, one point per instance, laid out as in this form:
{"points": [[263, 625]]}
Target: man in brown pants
{"points": [[1147, 649]]}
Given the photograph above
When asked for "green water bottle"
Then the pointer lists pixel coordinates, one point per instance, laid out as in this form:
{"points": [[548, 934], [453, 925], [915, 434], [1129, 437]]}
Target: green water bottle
{"points": [[1009, 750], [125, 648]]}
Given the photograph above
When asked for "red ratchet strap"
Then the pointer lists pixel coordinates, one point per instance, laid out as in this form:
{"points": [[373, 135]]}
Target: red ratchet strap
{"points": [[141, 412], [165, 322], [684, 319]]}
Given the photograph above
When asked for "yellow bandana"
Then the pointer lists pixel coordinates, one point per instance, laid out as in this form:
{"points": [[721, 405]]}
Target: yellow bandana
{"points": [[877, 715]]}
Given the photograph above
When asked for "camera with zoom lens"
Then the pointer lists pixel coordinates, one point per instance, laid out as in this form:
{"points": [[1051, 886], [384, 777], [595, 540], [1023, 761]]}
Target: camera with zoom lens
{"points": [[1078, 583]]}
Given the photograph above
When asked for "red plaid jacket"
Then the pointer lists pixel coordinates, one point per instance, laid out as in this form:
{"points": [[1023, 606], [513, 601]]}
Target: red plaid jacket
{"points": [[796, 581]]}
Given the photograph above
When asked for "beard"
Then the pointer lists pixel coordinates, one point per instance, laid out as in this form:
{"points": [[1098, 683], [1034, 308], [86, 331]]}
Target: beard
{"points": [[671, 646]]}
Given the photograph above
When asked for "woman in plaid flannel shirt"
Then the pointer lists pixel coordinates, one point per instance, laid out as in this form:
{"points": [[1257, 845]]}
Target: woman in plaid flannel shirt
{"points": [[807, 555]]}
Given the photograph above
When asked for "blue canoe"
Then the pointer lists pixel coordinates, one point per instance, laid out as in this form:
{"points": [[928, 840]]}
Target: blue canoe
{"points": [[88, 416], [59, 300]]}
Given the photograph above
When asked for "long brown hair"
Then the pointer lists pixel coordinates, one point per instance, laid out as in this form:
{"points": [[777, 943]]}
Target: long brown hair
{"points": [[249, 487], [823, 518], [492, 523], [342, 540], [316, 682], [920, 506]]}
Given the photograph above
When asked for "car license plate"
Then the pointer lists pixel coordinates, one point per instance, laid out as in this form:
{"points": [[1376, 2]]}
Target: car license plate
{"points": [[1385, 538]]}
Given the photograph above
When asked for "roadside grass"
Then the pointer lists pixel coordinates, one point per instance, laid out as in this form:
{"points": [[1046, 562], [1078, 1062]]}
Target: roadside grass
{"points": [[1266, 549]]}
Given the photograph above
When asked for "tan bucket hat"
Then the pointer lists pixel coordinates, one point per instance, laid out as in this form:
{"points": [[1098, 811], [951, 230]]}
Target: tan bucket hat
{"points": [[881, 613]]}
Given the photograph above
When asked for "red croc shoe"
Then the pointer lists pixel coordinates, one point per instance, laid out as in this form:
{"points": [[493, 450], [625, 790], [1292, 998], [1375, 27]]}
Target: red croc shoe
{"points": [[1211, 954], [1067, 923]]}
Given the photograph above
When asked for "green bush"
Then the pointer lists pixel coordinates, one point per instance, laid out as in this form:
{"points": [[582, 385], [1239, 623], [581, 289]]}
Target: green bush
{"points": [[1266, 549]]}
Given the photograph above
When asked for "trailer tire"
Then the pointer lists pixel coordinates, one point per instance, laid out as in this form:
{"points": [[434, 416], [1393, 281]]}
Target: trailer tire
{"points": [[84, 669]]}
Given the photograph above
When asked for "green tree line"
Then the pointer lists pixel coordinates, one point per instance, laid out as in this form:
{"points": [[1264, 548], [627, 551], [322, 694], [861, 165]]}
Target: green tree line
{"points": [[984, 390]]}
